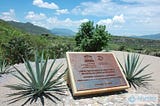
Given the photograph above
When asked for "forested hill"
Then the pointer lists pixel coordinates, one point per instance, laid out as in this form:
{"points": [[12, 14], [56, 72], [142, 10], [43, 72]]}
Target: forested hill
{"points": [[30, 28], [7, 29]]}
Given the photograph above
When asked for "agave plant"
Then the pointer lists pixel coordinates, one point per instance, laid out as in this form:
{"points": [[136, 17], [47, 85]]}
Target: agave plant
{"points": [[133, 71], [39, 82], [4, 67]]}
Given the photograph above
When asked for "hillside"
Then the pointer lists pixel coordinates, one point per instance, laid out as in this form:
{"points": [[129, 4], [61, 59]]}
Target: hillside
{"points": [[6, 28], [7, 31], [30, 28], [145, 46], [63, 32], [151, 36]]}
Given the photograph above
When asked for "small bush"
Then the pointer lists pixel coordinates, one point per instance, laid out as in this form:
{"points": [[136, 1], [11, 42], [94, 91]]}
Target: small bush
{"points": [[16, 49], [122, 47], [59, 49]]}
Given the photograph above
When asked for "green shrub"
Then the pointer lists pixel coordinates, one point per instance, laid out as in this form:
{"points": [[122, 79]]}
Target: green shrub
{"points": [[39, 82], [134, 74], [92, 38], [122, 48], [16, 49], [59, 49]]}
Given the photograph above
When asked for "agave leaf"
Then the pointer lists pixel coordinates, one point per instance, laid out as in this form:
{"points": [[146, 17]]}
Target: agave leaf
{"points": [[141, 70], [61, 93], [139, 63], [47, 96], [121, 67], [60, 76], [54, 96], [33, 84], [30, 71], [128, 65], [49, 71], [37, 73], [59, 83], [134, 60], [53, 74], [18, 99], [42, 100], [18, 93], [22, 78], [23, 95], [18, 87], [57, 88], [26, 101], [43, 72], [50, 83], [32, 99]]}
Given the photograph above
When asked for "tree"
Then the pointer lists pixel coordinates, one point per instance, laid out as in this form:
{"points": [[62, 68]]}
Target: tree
{"points": [[92, 38]]}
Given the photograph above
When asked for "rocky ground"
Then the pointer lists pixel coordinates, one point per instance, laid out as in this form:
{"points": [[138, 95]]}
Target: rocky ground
{"points": [[108, 99]]}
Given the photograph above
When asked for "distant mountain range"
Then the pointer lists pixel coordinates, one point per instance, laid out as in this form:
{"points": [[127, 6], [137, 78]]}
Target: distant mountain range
{"points": [[151, 36], [37, 30], [34, 29], [63, 32]]}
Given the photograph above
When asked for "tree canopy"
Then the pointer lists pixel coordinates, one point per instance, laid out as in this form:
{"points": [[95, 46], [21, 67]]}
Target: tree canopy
{"points": [[92, 38]]}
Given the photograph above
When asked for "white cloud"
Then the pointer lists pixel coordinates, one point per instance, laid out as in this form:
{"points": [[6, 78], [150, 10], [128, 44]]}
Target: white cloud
{"points": [[101, 8], [139, 14], [55, 22], [62, 11], [107, 22], [51, 22], [42, 4], [8, 16], [143, 1], [104, 1], [33, 16], [116, 21], [108, 8], [146, 20]]}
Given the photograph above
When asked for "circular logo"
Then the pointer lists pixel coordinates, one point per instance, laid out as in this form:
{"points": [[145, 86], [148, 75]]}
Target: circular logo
{"points": [[132, 99]]}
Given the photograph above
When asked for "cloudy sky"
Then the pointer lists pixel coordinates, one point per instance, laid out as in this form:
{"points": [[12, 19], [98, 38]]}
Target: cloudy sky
{"points": [[121, 17]]}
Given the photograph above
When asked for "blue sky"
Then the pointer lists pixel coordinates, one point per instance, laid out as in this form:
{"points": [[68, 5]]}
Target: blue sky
{"points": [[121, 17]]}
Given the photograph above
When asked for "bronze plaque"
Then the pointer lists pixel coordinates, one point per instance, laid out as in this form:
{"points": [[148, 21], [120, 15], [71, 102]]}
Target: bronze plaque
{"points": [[94, 72]]}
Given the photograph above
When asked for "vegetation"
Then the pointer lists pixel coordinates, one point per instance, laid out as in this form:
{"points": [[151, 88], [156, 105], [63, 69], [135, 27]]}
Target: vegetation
{"points": [[16, 49], [90, 38], [59, 45], [144, 46], [40, 82], [15, 44], [4, 67], [133, 71]]}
